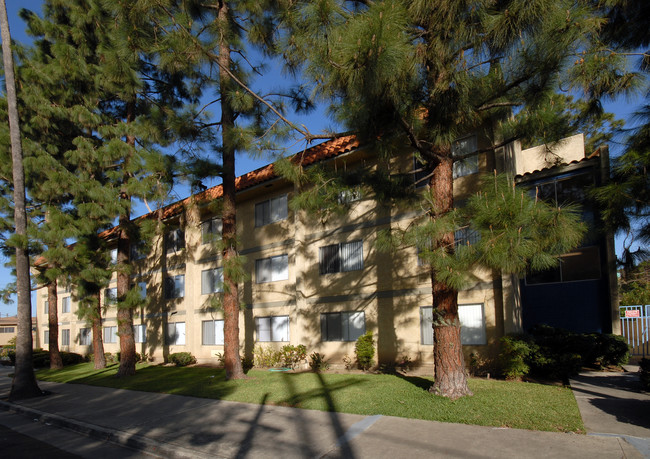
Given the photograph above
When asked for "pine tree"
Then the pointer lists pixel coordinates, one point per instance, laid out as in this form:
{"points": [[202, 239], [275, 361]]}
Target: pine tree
{"points": [[24, 382], [429, 72], [210, 37], [117, 102]]}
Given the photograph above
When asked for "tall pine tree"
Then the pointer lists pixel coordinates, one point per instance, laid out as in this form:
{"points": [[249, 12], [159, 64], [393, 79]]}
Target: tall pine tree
{"points": [[430, 72]]}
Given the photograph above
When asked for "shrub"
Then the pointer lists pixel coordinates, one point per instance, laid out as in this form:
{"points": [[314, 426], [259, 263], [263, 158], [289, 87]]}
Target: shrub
{"points": [[365, 350], [291, 356], [556, 353], [317, 362], [41, 359], [247, 363], [182, 359], [70, 358], [347, 361], [644, 373], [515, 352], [266, 357]]}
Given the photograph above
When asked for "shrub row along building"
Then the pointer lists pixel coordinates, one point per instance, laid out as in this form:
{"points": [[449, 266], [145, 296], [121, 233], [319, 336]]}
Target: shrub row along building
{"points": [[324, 283]]}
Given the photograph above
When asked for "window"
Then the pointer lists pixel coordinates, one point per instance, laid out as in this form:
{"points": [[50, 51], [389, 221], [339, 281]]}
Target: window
{"points": [[466, 236], [347, 256], [211, 281], [347, 197], [465, 163], [174, 240], [85, 337], [142, 287], [272, 269], [212, 332], [46, 337], [46, 307], [211, 230], [472, 324], [176, 333], [140, 333], [273, 328], [65, 304], [342, 326], [420, 174], [270, 211], [110, 334], [139, 250], [113, 256], [65, 337], [175, 286], [7, 329], [580, 265], [110, 295]]}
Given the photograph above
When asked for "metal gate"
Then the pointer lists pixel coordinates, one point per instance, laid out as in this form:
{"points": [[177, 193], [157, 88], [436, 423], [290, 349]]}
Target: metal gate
{"points": [[635, 327]]}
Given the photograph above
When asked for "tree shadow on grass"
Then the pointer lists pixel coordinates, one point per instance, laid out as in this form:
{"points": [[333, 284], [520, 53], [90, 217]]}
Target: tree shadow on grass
{"points": [[421, 383]]}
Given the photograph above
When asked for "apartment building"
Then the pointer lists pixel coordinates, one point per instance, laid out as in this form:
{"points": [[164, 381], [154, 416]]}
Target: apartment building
{"points": [[322, 282]]}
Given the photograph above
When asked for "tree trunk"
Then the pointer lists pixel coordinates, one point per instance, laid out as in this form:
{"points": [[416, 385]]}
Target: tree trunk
{"points": [[232, 360], [53, 324], [24, 383], [124, 312], [98, 343], [450, 376]]}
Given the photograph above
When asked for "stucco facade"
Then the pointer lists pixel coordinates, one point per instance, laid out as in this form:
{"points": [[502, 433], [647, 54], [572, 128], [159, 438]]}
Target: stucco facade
{"points": [[313, 281]]}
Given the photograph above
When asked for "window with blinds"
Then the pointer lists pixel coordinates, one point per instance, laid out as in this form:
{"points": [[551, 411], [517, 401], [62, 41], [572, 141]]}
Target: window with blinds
{"points": [[212, 332], [211, 281], [472, 324], [211, 230], [272, 269], [140, 333], [343, 257], [272, 210], [272, 328], [342, 326]]}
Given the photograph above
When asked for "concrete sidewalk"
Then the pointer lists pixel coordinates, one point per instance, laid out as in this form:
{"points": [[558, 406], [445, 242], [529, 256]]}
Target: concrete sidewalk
{"points": [[614, 404], [179, 426]]}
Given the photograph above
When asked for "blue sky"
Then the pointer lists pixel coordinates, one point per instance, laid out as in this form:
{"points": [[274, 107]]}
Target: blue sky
{"points": [[316, 122]]}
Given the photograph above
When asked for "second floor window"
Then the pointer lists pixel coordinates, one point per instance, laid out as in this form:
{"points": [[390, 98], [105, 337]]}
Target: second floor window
{"points": [[110, 295], [211, 281], [336, 258], [272, 210], [65, 304], [175, 286], [465, 163], [272, 269]]}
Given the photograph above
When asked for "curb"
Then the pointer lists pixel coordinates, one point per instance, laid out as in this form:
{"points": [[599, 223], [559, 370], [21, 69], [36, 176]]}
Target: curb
{"points": [[118, 437]]}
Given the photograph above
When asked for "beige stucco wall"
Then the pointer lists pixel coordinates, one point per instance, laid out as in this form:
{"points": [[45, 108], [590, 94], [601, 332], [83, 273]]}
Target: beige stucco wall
{"points": [[390, 289]]}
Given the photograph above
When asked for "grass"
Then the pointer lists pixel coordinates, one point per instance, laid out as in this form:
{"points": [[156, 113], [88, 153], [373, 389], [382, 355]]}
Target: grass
{"points": [[495, 403]]}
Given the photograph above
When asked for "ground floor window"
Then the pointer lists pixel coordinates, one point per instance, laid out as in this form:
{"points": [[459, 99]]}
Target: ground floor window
{"points": [[46, 337], [140, 333], [65, 337], [342, 326], [110, 334], [272, 328], [176, 333], [212, 332], [472, 324], [85, 336]]}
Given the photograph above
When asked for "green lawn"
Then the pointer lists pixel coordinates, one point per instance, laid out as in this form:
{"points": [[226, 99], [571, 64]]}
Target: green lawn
{"points": [[495, 403]]}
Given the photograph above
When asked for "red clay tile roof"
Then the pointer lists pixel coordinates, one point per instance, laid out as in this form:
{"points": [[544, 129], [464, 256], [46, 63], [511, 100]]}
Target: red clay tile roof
{"points": [[320, 152]]}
